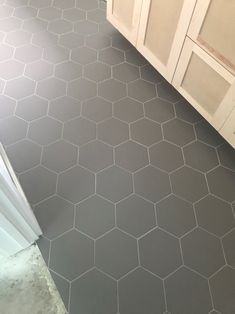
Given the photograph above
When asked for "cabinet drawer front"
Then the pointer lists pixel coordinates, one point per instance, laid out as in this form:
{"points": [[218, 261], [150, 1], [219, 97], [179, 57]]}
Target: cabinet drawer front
{"points": [[207, 85], [228, 129]]}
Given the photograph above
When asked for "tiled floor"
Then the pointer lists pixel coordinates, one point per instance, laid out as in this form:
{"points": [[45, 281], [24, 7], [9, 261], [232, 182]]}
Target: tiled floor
{"points": [[135, 192]]}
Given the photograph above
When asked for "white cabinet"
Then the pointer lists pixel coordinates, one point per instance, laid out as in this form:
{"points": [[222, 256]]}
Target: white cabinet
{"points": [[228, 129]]}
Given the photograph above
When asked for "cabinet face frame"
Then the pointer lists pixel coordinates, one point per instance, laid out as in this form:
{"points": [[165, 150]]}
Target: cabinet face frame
{"points": [[228, 129], [184, 19], [228, 102], [132, 34]]}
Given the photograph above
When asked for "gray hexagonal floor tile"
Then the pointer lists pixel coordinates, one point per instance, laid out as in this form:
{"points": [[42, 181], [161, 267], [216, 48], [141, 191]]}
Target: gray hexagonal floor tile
{"points": [[68, 71], [98, 41], [178, 132], [55, 216], [146, 132], [55, 54], [134, 57], [95, 156], [44, 39], [208, 257], [186, 290], [31, 108], [135, 215], [63, 287], [74, 15], [41, 4], [95, 216], [175, 215], [114, 184], [49, 13], [82, 89], [60, 27], [10, 24], [45, 130], [24, 155], [185, 111], [34, 25], [38, 183], [51, 88], [97, 71], [28, 53], [97, 109], [71, 40], [76, 184], [159, 110], [200, 156], [12, 129], [120, 42], [95, 292], [125, 72], [215, 215], [189, 184], [19, 88], [59, 156], [97, 16], [148, 73], [160, 253], [72, 254], [138, 291], [86, 27], [168, 92], [11, 69], [111, 56], [64, 108], [113, 131], [141, 90], [112, 90], [207, 134], [39, 70], [222, 183], [222, 289], [44, 247], [128, 109], [7, 106], [131, 156], [227, 156], [228, 244], [79, 131], [84, 55], [22, 13], [116, 253], [60, 4], [166, 156], [152, 184], [87, 4]]}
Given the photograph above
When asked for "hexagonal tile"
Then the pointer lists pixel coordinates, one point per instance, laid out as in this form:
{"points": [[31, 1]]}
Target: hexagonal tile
{"points": [[18, 38], [79, 131], [168, 92], [24, 155], [61, 4], [215, 215], [207, 134], [44, 247], [56, 54], [222, 290], [113, 131], [148, 73], [7, 106], [20, 87], [227, 156], [71, 40], [114, 184], [120, 42], [68, 71], [125, 72], [86, 27], [131, 156], [95, 156], [97, 71], [160, 252], [34, 25], [12, 129], [87, 4], [60, 26], [72, 254], [141, 90], [166, 156], [82, 89], [222, 183], [51, 88], [111, 56], [97, 109], [208, 257], [6, 11], [28, 53], [39, 70], [38, 183], [200, 156], [83, 55], [64, 108], [74, 15], [95, 292], [135, 215], [98, 41], [95, 216], [137, 293], [228, 244], [189, 184], [128, 109], [45, 130], [59, 156], [159, 110], [10, 24], [76, 184], [97, 16], [116, 253], [41, 4], [25, 12], [185, 111], [146, 132], [63, 287], [134, 57], [11, 69], [55, 216], [31, 108], [175, 215], [49, 13], [44, 39], [112, 90], [186, 290], [152, 184]]}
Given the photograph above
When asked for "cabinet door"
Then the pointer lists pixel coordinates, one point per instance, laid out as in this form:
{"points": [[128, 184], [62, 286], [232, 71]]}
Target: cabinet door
{"points": [[206, 84], [213, 28], [124, 15], [162, 30], [228, 129]]}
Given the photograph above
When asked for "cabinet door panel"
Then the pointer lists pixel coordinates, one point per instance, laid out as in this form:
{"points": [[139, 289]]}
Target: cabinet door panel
{"points": [[163, 27], [207, 85], [125, 16]]}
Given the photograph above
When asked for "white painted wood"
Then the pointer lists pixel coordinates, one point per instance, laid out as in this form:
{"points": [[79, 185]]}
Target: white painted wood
{"points": [[167, 70], [218, 118], [228, 129], [130, 31]]}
